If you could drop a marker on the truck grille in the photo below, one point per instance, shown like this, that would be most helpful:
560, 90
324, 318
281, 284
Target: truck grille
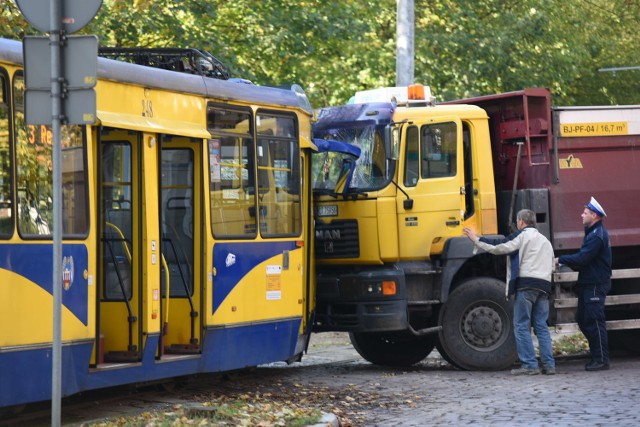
337, 239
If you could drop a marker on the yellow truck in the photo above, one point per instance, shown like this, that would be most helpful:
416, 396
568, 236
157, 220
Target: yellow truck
393, 268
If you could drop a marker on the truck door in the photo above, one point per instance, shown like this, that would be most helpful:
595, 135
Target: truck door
432, 174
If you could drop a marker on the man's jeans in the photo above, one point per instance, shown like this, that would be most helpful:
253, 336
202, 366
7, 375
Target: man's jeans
532, 308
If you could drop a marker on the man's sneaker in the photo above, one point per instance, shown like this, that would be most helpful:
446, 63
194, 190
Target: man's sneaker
525, 371
548, 371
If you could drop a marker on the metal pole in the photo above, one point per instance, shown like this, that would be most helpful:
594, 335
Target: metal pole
405, 43
55, 38
515, 186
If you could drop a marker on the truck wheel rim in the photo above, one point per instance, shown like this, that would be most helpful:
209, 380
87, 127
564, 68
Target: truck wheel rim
482, 326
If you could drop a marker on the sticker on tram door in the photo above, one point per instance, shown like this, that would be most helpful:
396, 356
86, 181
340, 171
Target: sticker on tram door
230, 260
67, 272
274, 282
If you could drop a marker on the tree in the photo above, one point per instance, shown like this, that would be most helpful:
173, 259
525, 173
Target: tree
473, 48
463, 47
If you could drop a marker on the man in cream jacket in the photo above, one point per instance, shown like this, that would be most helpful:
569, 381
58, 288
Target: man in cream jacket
532, 289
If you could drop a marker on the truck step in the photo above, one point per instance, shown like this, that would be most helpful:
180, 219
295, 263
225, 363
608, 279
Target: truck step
611, 300
564, 328
572, 276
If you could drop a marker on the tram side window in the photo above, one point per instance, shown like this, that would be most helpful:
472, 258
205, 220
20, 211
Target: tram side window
6, 207
232, 177
35, 179
278, 176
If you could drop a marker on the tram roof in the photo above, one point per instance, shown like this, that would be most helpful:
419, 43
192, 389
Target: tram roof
124, 72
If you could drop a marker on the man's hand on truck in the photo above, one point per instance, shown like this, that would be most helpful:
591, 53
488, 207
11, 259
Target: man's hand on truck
470, 234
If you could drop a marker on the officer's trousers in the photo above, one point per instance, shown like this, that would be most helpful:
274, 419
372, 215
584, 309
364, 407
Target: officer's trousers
591, 319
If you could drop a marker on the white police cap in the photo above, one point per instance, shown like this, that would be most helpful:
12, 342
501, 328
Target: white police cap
596, 207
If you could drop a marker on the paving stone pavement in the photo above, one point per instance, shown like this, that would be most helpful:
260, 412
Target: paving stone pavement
573, 397
434, 394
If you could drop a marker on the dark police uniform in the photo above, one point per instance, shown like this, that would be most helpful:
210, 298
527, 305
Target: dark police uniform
594, 282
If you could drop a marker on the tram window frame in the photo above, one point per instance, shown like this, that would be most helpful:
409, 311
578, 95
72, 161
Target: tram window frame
233, 214
122, 256
270, 144
33, 204
6, 161
177, 255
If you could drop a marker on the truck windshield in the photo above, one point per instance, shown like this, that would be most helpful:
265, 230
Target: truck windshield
370, 168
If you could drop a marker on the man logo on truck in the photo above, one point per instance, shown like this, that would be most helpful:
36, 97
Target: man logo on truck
328, 234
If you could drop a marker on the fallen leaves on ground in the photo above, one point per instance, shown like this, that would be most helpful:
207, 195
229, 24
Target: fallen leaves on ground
268, 405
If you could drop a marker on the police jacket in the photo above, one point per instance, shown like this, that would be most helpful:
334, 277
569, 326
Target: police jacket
594, 259
535, 255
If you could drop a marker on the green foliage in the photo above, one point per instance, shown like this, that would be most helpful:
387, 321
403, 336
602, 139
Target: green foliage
462, 47
569, 345
12, 24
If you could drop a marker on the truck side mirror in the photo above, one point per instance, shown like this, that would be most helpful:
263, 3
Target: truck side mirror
391, 142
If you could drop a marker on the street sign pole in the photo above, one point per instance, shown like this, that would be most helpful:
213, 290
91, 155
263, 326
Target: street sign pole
405, 62
55, 38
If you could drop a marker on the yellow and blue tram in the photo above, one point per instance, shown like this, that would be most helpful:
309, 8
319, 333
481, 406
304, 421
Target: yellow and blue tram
186, 231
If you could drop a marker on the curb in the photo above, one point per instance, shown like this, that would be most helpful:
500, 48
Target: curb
327, 420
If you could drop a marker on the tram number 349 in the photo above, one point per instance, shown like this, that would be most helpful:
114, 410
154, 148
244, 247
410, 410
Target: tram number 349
147, 108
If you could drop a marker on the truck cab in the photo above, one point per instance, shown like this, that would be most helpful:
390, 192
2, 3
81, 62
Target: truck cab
382, 244
393, 267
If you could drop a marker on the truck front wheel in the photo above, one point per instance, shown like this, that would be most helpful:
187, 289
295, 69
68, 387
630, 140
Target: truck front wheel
477, 332
392, 348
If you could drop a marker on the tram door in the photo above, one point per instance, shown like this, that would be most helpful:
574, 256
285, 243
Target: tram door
120, 231
181, 233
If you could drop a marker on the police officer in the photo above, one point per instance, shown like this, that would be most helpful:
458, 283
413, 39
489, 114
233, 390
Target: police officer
593, 262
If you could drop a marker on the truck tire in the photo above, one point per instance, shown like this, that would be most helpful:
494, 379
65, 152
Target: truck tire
444, 354
392, 348
477, 327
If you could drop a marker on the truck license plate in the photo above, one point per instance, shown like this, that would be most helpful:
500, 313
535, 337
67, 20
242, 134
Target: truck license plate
328, 210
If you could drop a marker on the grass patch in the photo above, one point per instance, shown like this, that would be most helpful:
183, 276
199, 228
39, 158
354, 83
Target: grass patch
569, 345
